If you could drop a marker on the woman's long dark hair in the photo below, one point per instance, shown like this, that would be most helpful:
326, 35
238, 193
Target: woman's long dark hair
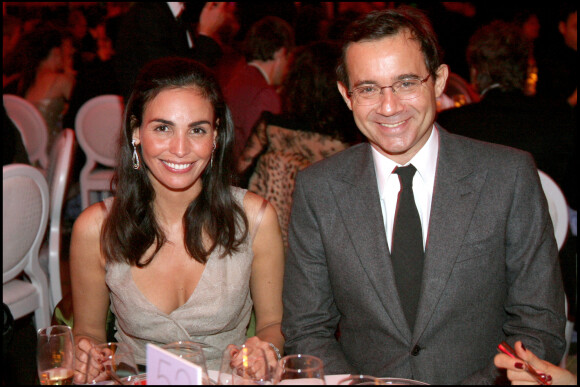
131, 226
309, 93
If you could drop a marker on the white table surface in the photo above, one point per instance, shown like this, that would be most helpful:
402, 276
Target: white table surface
330, 379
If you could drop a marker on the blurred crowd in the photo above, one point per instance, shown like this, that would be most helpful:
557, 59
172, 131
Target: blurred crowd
59, 57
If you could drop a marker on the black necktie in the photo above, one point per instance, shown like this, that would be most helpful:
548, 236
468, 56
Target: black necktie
407, 246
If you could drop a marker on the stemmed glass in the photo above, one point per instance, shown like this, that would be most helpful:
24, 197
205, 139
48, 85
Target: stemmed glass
55, 355
111, 362
300, 369
242, 365
361, 379
192, 352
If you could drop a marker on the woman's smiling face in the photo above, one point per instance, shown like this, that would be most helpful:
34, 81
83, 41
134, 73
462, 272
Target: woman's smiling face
177, 136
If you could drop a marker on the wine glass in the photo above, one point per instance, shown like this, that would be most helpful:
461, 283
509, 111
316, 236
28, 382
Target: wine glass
55, 355
361, 379
111, 363
243, 365
192, 352
300, 369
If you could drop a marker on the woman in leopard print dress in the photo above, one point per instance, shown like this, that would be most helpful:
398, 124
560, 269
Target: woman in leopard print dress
315, 124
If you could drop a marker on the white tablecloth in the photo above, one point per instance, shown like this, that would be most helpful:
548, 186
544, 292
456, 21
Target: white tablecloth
330, 379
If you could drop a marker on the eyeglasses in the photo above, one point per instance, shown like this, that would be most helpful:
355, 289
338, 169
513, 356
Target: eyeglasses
370, 94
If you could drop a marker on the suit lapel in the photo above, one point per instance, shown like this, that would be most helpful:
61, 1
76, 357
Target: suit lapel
359, 204
457, 188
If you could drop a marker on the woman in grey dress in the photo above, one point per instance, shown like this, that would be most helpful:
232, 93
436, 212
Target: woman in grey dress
177, 253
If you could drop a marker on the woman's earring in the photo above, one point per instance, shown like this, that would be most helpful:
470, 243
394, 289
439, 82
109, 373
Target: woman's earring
136, 164
212, 151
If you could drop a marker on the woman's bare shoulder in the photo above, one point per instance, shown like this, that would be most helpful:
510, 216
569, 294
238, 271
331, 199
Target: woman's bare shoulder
90, 221
252, 204
85, 246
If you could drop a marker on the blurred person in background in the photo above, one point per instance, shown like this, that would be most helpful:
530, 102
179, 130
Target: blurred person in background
558, 60
94, 65
314, 124
48, 77
252, 88
498, 56
155, 30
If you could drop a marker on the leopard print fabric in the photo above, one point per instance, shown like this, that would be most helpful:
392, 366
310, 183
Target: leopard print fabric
282, 153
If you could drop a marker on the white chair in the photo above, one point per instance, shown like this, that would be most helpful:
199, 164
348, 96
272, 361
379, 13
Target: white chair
559, 214
58, 176
97, 126
557, 207
25, 207
31, 125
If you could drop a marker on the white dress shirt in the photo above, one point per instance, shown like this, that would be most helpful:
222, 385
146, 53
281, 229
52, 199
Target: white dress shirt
176, 7
425, 161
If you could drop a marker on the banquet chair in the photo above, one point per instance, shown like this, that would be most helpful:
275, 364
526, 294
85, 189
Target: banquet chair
97, 127
559, 214
25, 208
31, 124
557, 207
58, 176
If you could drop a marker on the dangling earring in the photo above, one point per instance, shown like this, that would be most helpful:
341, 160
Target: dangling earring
136, 164
212, 151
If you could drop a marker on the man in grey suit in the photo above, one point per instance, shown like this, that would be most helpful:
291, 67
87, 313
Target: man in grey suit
488, 255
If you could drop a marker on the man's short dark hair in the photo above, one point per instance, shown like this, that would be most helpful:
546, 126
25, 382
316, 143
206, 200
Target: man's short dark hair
267, 36
499, 52
377, 25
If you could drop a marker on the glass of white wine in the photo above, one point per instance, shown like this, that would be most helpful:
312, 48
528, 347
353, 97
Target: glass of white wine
192, 352
300, 369
111, 363
55, 355
361, 380
242, 365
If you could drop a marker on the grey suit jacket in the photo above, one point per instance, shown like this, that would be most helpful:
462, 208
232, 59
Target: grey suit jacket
491, 268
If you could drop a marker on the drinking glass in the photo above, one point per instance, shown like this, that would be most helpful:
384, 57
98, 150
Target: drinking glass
300, 369
192, 352
361, 379
401, 381
242, 365
111, 363
55, 355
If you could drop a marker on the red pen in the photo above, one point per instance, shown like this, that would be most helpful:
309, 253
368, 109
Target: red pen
508, 350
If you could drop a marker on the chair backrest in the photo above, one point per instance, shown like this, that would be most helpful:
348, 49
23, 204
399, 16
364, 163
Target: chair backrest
98, 125
32, 126
25, 205
456, 87
557, 207
58, 176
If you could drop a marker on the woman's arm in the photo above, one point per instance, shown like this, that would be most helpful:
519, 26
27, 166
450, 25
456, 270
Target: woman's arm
267, 277
89, 291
